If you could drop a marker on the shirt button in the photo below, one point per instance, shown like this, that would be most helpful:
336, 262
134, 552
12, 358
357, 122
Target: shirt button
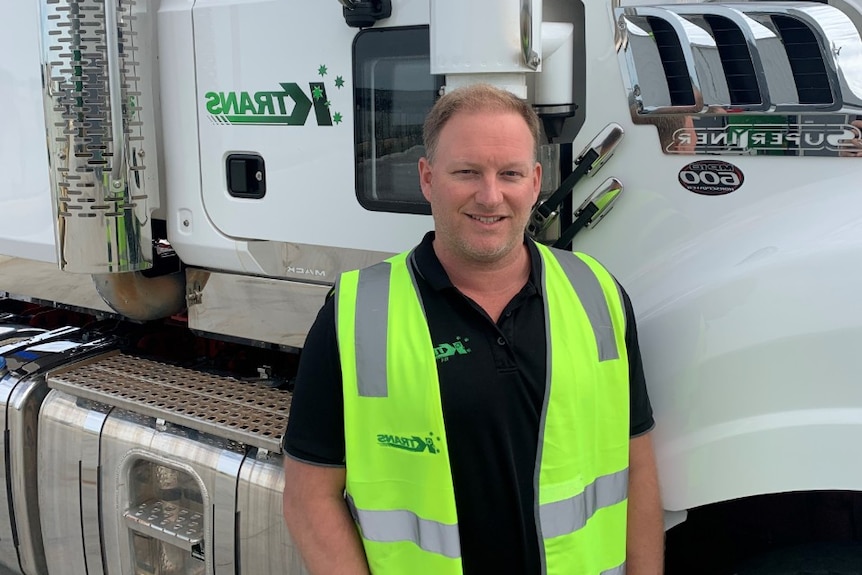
501, 340
509, 313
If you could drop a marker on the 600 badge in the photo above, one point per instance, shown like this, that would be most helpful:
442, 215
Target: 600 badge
711, 177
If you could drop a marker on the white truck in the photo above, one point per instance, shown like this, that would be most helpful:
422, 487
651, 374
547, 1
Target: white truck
181, 181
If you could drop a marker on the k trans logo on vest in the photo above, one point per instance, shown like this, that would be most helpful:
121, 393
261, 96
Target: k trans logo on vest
413, 444
444, 351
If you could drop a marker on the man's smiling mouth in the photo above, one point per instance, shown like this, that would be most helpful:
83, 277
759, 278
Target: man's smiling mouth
488, 219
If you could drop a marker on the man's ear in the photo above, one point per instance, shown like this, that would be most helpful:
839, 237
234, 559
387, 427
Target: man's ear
537, 181
425, 174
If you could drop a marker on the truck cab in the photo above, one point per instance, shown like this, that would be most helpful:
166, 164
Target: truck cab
209, 168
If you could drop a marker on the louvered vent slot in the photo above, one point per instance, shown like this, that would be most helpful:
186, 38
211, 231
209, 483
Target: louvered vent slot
736, 60
672, 60
806, 61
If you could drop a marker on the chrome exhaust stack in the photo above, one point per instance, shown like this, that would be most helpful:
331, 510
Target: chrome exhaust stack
100, 86
103, 167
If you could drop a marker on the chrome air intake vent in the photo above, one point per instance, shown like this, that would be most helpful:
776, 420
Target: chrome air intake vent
768, 57
742, 84
676, 72
806, 62
99, 80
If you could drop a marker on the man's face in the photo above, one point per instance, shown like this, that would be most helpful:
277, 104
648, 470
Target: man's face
482, 184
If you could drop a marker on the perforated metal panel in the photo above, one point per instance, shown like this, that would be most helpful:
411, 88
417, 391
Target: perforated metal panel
98, 91
247, 412
167, 522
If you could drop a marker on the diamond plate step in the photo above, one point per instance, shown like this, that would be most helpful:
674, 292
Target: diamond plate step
167, 522
246, 412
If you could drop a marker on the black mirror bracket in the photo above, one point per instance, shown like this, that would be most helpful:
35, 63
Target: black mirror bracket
364, 13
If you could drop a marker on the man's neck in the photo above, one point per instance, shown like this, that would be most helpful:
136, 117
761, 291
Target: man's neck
490, 284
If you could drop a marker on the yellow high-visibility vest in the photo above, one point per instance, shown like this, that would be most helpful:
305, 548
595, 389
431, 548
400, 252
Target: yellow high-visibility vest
399, 480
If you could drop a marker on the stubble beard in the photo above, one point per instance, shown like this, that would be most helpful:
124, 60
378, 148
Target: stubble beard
468, 251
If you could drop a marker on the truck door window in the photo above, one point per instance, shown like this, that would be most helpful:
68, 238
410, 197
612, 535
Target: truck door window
394, 89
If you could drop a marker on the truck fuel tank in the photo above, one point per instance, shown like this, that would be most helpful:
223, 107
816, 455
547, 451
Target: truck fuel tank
179, 471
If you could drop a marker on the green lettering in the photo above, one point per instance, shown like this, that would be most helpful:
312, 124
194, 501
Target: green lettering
245, 104
301, 105
279, 97
228, 103
213, 103
264, 102
321, 111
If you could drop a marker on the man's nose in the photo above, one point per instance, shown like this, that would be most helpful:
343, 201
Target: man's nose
489, 192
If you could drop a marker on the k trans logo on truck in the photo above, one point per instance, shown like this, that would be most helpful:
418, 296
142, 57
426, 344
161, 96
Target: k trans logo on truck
289, 105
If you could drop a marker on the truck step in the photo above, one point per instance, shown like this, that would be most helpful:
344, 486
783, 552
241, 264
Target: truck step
246, 412
167, 522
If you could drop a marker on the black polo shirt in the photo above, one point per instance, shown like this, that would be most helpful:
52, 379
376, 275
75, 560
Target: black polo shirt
492, 379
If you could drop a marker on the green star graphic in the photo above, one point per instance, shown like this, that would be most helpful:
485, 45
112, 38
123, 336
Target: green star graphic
317, 93
337, 118
327, 103
339, 82
322, 70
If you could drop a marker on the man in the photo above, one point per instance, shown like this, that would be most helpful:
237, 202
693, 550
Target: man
470, 399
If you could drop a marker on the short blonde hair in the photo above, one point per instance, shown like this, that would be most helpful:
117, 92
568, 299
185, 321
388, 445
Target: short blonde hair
475, 98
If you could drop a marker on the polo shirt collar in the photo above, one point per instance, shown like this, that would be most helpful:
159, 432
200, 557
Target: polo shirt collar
427, 265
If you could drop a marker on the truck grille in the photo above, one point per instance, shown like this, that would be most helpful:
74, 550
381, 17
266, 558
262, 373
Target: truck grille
793, 57
247, 412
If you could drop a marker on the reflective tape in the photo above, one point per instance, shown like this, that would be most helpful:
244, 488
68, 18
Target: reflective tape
621, 570
569, 515
592, 297
413, 268
402, 525
372, 320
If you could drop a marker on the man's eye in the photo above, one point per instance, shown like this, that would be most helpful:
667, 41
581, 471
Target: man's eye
512, 174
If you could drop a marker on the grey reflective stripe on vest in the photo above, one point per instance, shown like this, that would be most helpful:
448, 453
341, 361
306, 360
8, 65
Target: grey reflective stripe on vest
402, 525
569, 515
372, 320
621, 570
592, 297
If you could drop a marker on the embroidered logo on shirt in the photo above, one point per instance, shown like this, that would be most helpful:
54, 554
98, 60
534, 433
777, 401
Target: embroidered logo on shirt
444, 351
414, 444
